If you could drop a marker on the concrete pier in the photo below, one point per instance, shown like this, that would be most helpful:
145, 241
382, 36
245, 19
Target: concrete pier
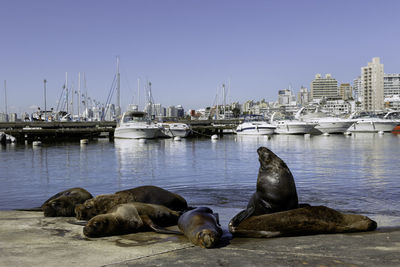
29, 239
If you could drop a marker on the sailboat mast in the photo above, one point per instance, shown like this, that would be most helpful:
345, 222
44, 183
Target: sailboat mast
45, 106
5, 96
118, 90
138, 92
66, 89
79, 95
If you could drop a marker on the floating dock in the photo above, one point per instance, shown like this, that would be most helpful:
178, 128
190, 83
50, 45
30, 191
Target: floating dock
63, 131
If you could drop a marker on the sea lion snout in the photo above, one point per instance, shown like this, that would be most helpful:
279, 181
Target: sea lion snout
207, 238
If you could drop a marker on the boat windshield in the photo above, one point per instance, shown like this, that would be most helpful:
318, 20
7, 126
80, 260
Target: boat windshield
135, 117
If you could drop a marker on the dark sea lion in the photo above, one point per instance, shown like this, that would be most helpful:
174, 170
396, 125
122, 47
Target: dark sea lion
63, 203
146, 194
130, 218
156, 195
201, 226
276, 189
303, 221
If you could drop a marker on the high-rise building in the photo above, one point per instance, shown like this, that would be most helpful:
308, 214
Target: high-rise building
324, 87
391, 85
357, 88
286, 97
345, 91
303, 97
372, 85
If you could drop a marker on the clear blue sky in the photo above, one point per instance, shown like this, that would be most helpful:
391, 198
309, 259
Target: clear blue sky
187, 48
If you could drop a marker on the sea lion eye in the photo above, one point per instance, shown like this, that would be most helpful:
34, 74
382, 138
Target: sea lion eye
88, 206
55, 204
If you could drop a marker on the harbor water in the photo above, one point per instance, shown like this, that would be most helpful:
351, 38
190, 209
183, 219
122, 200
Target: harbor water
354, 174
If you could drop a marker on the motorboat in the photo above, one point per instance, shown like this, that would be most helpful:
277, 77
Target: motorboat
328, 124
136, 125
174, 129
255, 128
292, 126
373, 124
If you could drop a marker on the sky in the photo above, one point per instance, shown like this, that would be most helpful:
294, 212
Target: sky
188, 48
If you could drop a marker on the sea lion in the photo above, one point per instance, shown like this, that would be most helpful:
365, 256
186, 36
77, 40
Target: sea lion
132, 217
100, 204
63, 203
276, 189
303, 221
146, 194
156, 195
201, 226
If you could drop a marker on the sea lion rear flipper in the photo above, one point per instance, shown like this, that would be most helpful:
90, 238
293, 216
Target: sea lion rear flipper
32, 209
241, 216
147, 221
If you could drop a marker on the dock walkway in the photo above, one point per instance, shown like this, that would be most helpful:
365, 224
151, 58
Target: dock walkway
29, 239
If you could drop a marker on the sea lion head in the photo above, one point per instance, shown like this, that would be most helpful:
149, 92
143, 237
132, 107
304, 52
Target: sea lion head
265, 156
61, 206
87, 210
207, 238
100, 225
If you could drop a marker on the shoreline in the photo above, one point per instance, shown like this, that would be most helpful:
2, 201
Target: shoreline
29, 239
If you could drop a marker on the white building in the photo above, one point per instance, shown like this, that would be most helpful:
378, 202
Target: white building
324, 87
391, 85
372, 85
393, 102
286, 98
346, 91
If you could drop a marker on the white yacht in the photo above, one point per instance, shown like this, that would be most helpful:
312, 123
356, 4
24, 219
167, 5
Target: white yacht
295, 126
255, 128
136, 125
328, 124
174, 129
373, 124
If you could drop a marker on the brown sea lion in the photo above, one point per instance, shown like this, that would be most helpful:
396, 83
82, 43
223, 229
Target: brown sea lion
130, 218
303, 221
146, 194
276, 189
63, 203
156, 195
201, 226
100, 204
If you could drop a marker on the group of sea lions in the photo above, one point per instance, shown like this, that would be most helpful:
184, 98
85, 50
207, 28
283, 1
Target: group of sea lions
273, 210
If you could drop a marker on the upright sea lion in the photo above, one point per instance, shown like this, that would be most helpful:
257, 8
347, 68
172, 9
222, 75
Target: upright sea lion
63, 203
303, 221
146, 194
132, 217
201, 226
276, 189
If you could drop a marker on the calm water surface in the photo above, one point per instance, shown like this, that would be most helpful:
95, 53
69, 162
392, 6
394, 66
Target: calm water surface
357, 174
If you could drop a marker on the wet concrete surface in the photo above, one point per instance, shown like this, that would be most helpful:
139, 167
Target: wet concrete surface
29, 239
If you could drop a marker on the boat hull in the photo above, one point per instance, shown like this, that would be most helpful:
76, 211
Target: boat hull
136, 133
333, 127
294, 128
372, 126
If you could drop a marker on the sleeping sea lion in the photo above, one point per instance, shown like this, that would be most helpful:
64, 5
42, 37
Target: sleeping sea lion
156, 195
201, 226
303, 221
146, 194
130, 218
276, 189
63, 203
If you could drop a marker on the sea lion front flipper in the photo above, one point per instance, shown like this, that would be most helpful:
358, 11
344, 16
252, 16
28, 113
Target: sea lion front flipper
241, 216
147, 221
